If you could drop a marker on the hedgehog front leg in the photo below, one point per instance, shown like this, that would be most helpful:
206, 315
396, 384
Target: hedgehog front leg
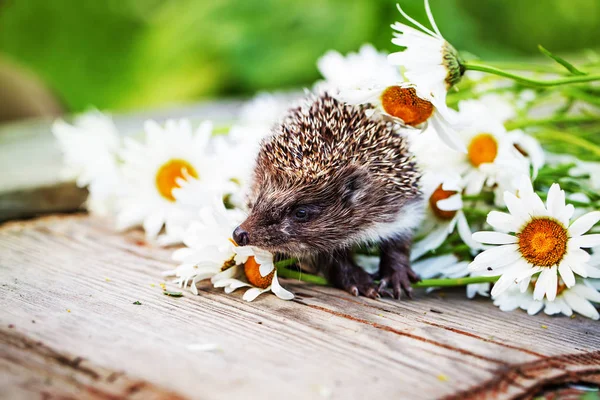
394, 267
341, 271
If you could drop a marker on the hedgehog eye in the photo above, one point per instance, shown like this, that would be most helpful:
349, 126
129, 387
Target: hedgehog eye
301, 214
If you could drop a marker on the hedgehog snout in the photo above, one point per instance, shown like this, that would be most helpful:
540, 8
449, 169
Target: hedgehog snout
241, 236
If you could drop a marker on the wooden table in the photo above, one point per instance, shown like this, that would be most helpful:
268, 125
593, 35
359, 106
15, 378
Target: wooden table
69, 328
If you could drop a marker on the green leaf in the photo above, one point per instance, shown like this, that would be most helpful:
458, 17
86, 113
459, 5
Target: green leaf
137, 303
570, 67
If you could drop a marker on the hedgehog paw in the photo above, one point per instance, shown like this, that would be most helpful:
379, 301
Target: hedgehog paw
353, 279
399, 278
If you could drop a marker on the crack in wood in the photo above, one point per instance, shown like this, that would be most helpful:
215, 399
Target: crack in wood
401, 333
532, 377
469, 334
448, 328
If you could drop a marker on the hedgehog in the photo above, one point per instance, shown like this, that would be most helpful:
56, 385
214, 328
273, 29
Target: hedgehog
330, 178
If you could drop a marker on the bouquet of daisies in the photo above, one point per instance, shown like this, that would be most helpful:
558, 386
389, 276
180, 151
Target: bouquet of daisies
510, 164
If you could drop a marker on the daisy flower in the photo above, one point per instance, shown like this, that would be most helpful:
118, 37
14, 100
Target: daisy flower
265, 110
367, 77
542, 241
429, 61
492, 160
579, 298
90, 149
208, 247
443, 213
152, 170
357, 78
255, 269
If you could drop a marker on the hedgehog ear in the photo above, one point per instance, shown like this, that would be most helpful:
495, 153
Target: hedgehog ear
354, 188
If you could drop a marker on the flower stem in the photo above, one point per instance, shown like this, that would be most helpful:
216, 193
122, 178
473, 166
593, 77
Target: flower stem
565, 137
530, 81
561, 119
449, 282
301, 276
445, 282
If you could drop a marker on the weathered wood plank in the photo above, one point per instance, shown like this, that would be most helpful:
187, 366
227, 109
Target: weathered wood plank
78, 280
30, 369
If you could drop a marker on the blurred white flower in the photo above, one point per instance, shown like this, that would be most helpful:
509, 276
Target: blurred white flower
90, 149
430, 62
152, 169
265, 110
357, 78
443, 213
542, 242
579, 298
492, 160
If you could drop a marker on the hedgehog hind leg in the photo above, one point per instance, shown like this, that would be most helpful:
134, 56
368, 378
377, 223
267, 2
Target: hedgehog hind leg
342, 272
394, 268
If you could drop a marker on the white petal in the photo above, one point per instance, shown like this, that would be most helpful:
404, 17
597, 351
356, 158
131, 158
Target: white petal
546, 284
552, 308
566, 274
524, 284
581, 305
579, 268
447, 133
265, 269
516, 207
535, 307
540, 285
496, 257
280, 291
584, 223
505, 281
502, 221
526, 271
430, 242
465, 232
587, 293
577, 255
452, 203
555, 201
494, 238
586, 241
592, 272
552, 284
253, 293
564, 307
566, 214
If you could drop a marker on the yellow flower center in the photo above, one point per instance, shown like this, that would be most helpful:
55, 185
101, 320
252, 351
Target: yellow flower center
168, 173
228, 264
437, 195
252, 271
482, 149
404, 103
543, 242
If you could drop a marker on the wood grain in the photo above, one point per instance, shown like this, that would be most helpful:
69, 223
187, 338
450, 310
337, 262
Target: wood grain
78, 280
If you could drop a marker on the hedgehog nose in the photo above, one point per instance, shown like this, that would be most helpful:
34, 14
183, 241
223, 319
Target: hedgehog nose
240, 236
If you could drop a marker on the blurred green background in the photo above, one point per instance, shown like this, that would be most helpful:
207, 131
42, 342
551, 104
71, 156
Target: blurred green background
132, 54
